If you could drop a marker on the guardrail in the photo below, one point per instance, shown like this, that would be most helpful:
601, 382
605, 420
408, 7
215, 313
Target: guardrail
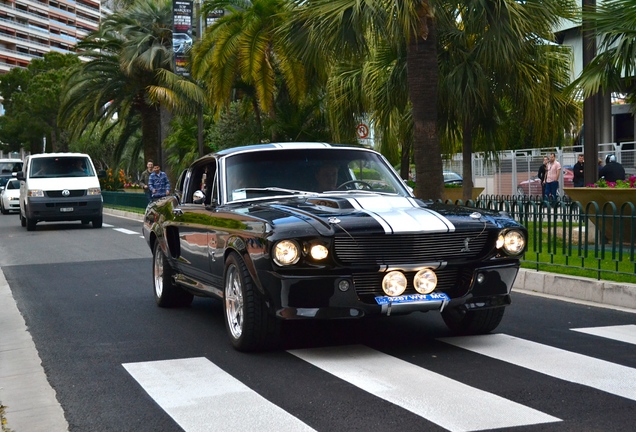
599, 240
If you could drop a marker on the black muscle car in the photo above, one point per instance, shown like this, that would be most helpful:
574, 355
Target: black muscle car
318, 231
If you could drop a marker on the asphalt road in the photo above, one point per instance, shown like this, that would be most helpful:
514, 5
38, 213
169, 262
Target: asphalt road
119, 363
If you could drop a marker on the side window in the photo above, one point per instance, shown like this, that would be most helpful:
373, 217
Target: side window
202, 178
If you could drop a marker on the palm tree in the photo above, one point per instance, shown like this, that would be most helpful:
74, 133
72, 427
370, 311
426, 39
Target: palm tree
614, 68
349, 29
246, 52
128, 78
495, 56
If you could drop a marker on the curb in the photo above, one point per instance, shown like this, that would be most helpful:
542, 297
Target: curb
600, 292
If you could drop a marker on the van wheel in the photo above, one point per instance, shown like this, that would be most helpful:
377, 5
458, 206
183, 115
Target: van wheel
85, 221
30, 224
22, 220
97, 222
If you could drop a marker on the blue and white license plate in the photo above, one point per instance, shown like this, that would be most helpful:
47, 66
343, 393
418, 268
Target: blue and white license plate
412, 298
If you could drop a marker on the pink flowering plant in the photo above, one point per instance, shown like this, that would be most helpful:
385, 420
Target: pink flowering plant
630, 183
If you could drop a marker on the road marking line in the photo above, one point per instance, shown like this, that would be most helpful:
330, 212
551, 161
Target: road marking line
200, 396
105, 225
622, 333
125, 231
577, 368
440, 400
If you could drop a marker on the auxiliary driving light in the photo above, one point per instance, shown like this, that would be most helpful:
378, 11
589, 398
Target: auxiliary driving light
394, 283
425, 281
319, 252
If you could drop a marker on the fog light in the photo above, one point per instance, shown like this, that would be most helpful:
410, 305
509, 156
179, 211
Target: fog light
425, 281
394, 283
344, 285
481, 278
319, 252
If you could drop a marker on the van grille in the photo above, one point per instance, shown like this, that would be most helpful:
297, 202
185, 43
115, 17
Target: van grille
58, 193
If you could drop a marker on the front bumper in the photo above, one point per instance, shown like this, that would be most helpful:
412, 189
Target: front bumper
319, 297
64, 209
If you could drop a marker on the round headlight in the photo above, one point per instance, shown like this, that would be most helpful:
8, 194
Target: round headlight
286, 253
514, 242
319, 252
394, 283
425, 281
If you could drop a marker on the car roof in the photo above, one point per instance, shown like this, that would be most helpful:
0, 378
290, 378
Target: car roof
10, 160
49, 155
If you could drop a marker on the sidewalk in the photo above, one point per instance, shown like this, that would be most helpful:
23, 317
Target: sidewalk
29, 404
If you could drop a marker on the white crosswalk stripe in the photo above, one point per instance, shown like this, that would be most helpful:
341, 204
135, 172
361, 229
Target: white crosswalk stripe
105, 225
577, 368
622, 333
200, 396
422, 392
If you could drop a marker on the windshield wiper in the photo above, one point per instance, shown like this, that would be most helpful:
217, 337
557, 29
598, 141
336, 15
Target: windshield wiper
275, 189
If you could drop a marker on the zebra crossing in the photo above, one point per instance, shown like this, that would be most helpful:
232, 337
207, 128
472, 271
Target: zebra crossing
196, 393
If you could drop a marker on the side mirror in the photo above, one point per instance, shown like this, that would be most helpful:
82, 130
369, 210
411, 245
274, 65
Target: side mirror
20, 175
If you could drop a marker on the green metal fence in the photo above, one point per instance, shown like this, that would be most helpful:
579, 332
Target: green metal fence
598, 240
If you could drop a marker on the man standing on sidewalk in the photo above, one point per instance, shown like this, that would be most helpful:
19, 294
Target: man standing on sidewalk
145, 176
158, 183
553, 171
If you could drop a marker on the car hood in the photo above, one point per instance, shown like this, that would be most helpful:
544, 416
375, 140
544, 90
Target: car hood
368, 214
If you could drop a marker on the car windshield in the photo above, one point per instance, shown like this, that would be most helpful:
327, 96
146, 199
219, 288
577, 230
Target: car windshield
13, 184
308, 171
10, 167
64, 166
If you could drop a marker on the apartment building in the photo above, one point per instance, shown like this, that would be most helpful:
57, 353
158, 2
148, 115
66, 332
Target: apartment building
31, 28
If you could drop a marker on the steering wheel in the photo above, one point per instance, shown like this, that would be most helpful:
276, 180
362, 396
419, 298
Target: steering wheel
364, 184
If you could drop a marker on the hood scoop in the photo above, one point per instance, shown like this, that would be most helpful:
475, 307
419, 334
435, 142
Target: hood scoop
330, 203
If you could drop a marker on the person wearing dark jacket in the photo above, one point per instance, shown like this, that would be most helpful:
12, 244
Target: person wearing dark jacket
612, 170
578, 179
541, 174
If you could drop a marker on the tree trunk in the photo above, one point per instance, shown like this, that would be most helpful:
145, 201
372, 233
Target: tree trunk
151, 133
422, 71
467, 166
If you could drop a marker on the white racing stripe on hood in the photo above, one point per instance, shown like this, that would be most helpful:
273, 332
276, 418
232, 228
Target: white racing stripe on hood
402, 215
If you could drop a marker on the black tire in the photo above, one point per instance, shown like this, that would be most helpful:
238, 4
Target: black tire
22, 219
473, 322
2, 209
30, 223
167, 293
247, 321
85, 221
98, 221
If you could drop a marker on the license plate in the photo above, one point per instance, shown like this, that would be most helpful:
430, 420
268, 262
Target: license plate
412, 298
66, 209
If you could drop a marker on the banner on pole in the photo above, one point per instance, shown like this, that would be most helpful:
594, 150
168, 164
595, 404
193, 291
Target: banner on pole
181, 34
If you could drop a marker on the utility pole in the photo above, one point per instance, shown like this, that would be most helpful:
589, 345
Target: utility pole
199, 30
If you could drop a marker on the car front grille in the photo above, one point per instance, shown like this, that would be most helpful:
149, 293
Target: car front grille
410, 248
73, 193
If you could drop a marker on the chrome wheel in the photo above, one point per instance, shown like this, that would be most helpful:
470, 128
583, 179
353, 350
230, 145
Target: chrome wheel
158, 273
234, 309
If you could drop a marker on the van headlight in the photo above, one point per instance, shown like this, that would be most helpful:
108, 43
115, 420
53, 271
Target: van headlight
35, 193
513, 242
94, 191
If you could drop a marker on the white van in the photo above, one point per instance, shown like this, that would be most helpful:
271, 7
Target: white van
59, 187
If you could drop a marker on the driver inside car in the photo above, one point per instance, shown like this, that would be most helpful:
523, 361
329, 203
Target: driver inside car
327, 177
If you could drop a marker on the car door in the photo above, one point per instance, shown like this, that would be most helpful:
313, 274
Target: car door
193, 221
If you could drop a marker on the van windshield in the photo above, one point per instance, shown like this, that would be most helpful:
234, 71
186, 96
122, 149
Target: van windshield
72, 166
